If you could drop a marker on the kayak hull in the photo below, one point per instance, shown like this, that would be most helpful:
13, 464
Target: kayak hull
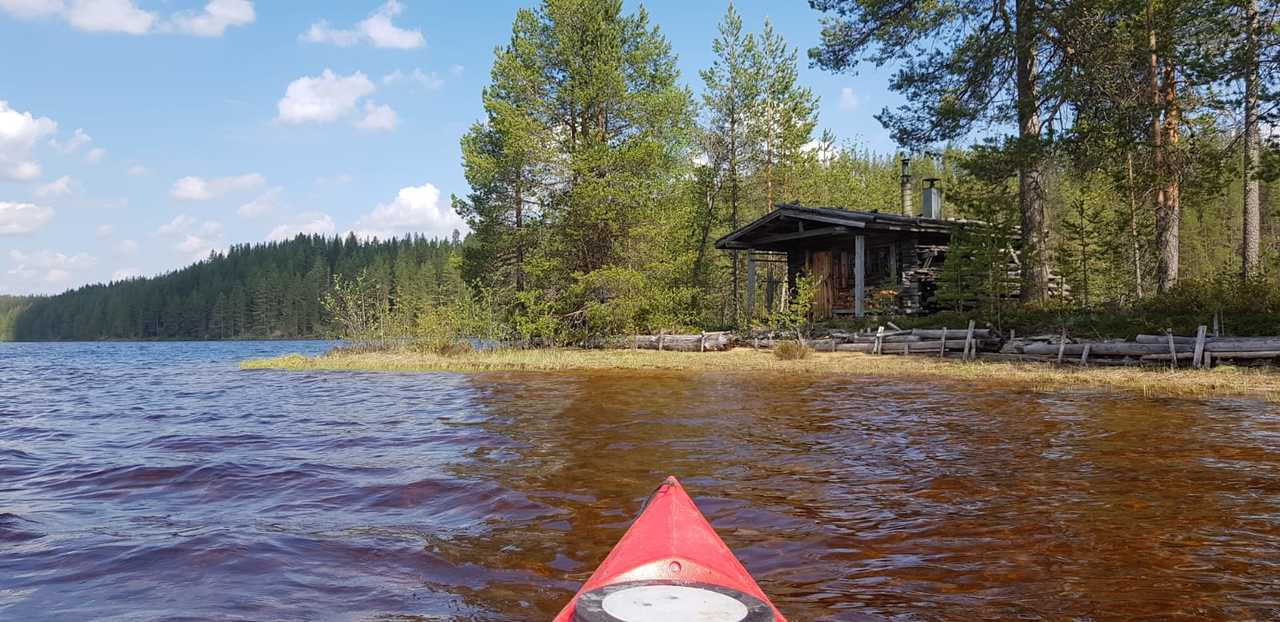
671, 542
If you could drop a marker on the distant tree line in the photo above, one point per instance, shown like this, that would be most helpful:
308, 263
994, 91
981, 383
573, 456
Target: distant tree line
264, 290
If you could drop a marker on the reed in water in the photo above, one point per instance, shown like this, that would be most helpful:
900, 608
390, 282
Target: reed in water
1163, 383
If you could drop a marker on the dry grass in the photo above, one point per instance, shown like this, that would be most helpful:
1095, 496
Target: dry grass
1224, 381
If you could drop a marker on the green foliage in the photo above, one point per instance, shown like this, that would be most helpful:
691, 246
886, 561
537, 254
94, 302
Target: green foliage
10, 308
979, 271
795, 317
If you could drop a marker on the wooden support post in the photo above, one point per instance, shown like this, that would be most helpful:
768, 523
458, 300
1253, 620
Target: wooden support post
702, 342
859, 276
876, 349
660, 341
906, 347
942, 352
1198, 358
1084, 356
970, 352
1062, 345
1215, 324
751, 288
1173, 350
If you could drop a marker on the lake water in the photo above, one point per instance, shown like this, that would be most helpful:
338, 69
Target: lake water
156, 481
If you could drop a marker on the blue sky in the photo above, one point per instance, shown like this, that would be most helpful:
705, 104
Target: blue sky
136, 135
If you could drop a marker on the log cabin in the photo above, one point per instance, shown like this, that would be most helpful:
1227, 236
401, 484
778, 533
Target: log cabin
861, 258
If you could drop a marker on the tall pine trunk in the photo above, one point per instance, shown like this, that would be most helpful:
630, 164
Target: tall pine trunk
1133, 227
1169, 217
1035, 247
1252, 149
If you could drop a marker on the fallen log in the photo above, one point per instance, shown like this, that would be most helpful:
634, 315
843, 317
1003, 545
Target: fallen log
1232, 344
706, 342
1258, 354
1164, 339
916, 347
930, 333
1102, 349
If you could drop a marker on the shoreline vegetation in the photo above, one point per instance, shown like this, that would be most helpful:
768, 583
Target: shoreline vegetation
1225, 381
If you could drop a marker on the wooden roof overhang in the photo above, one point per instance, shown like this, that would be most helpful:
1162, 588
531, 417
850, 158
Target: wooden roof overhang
790, 226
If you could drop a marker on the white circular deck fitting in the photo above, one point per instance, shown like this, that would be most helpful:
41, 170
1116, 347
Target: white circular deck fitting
673, 603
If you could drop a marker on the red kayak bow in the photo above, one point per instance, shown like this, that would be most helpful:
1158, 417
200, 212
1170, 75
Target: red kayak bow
670, 566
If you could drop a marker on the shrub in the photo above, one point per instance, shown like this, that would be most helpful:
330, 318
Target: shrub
455, 348
791, 351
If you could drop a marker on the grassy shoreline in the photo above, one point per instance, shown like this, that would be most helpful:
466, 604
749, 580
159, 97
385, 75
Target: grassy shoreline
1223, 381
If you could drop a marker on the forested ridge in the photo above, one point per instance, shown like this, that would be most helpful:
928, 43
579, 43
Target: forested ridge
263, 290
1116, 145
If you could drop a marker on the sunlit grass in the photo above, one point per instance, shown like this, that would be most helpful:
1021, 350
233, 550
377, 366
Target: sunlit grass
1146, 381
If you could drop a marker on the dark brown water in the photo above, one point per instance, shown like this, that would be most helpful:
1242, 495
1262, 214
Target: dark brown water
157, 482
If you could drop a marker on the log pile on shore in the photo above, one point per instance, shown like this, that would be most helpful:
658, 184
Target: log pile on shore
971, 343
1200, 351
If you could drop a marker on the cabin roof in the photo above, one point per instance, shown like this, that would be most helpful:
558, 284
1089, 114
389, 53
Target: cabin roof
794, 224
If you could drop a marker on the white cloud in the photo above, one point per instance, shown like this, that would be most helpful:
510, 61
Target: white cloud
124, 274
456, 70
109, 16
48, 267
848, 100
59, 187
322, 32
95, 155
416, 209
104, 231
377, 117
19, 132
78, 139
216, 17
138, 170
201, 189
431, 80
194, 238
124, 16
324, 98
31, 9
378, 30
22, 218
125, 247
308, 223
261, 204
825, 150
180, 223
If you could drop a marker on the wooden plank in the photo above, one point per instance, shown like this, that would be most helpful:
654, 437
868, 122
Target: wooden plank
859, 276
942, 352
969, 350
1062, 347
1199, 353
1173, 352
801, 235
1084, 355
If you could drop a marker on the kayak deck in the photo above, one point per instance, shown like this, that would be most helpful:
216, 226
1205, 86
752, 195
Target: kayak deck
670, 566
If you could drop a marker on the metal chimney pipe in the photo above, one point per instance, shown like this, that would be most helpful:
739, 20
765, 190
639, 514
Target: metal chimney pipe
931, 206
906, 186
